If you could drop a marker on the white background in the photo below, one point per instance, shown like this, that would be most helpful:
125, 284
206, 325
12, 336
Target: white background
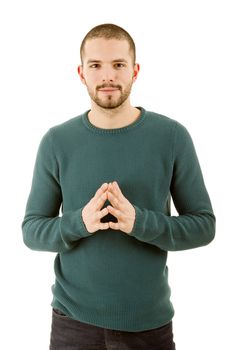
185, 52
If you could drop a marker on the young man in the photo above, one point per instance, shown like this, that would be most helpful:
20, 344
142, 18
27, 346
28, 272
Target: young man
114, 169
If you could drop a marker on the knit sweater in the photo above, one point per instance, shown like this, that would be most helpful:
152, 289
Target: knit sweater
109, 278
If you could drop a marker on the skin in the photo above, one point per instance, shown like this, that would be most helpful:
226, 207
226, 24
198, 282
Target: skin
109, 109
108, 73
121, 208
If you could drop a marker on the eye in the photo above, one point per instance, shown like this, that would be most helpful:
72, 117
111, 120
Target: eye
120, 65
95, 65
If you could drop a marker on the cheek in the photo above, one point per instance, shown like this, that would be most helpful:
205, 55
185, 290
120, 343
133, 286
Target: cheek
128, 76
90, 80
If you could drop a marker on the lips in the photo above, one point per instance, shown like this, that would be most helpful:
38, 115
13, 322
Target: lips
108, 89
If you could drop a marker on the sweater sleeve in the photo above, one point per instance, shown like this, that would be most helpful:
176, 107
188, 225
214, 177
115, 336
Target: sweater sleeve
195, 224
43, 228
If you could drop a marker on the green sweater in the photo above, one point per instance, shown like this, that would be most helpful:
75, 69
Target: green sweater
109, 278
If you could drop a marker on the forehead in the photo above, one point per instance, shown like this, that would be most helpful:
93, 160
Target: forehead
106, 49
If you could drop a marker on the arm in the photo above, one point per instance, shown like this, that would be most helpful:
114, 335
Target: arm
43, 228
195, 224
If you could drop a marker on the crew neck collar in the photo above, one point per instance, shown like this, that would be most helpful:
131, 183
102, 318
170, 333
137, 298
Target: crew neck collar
123, 129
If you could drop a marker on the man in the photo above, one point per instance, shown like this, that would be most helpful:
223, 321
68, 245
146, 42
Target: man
114, 169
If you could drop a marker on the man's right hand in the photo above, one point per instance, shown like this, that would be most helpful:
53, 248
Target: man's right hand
92, 213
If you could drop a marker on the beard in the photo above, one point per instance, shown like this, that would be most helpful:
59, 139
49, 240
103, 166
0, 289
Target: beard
110, 101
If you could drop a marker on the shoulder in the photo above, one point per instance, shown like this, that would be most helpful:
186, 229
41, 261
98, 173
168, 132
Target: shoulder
67, 131
168, 129
163, 124
63, 134
67, 126
165, 121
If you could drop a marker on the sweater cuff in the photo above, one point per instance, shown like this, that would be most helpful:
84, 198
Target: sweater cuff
72, 226
137, 228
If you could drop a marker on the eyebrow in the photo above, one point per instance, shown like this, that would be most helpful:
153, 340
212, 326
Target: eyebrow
98, 61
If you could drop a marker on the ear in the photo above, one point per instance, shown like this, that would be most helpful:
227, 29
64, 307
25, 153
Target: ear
80, 73
136, 71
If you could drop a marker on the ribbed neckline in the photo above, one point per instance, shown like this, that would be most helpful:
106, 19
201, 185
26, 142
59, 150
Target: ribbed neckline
123, 129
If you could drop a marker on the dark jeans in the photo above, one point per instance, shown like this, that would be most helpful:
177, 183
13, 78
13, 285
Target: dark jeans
69, 334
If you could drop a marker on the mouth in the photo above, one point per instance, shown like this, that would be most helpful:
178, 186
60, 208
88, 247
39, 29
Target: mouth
108, 89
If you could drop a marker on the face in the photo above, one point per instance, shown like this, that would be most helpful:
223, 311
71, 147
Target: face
108, 71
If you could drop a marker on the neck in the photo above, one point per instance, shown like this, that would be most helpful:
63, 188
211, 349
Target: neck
113, 118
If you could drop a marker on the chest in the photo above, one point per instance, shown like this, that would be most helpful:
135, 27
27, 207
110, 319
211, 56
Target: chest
142, 169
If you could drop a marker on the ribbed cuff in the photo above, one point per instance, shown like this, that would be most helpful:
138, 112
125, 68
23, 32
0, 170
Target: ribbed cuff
72, 226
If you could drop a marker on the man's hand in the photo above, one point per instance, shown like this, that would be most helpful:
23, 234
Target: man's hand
121, 208
92, 213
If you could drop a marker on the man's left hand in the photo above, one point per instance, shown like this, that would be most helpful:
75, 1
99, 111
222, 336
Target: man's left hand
121, 208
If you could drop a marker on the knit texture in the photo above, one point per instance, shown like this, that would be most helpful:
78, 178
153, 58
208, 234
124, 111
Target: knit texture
109, 278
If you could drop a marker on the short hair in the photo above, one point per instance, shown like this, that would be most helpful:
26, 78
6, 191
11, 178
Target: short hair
109, 31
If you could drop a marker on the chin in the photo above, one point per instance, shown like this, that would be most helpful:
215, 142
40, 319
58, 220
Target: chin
108, 105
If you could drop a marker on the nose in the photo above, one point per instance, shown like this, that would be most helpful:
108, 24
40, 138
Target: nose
107, 74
